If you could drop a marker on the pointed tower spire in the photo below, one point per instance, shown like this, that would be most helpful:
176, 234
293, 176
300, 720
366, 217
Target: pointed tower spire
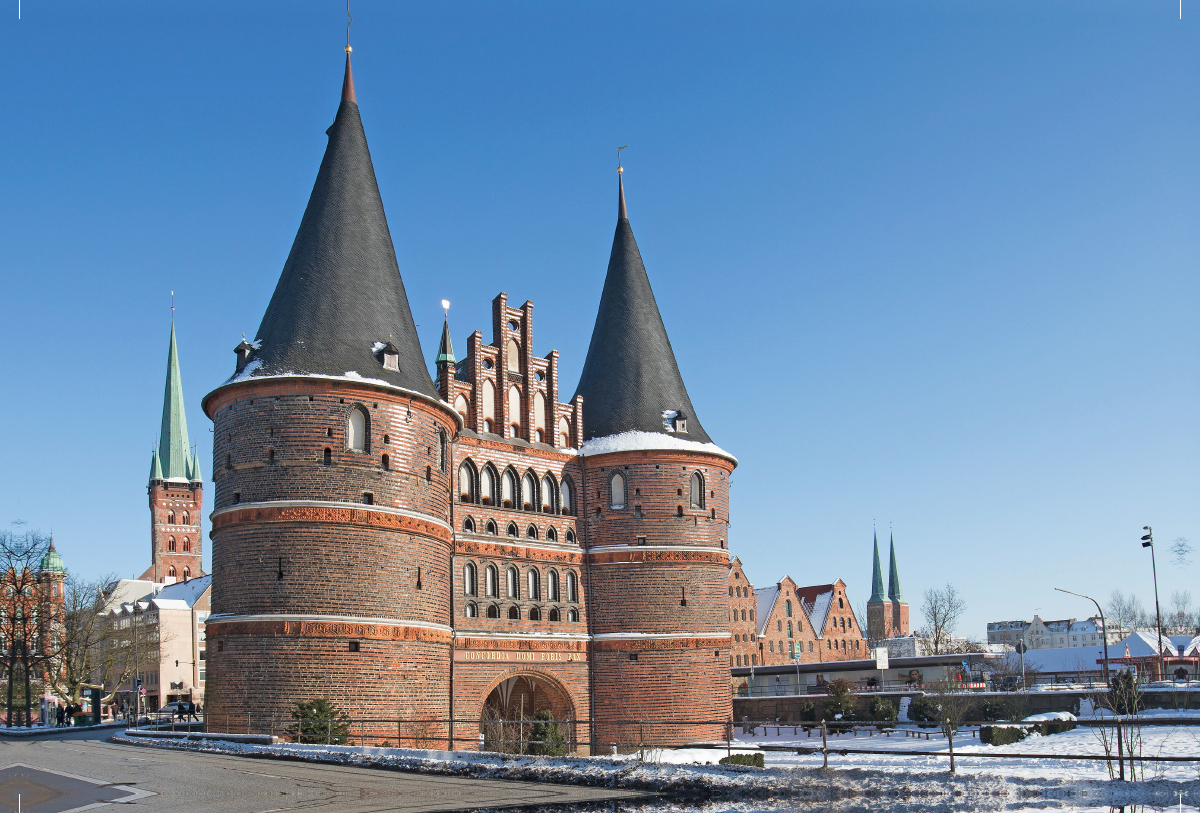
877, 576
446, 348
340, 295
195, 473
173, 455
894, 592
155, 466
630, 379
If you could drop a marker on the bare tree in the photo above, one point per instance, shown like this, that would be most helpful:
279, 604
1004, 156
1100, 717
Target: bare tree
941, 610
1125, 613
87, 650
1181, 615
27, 638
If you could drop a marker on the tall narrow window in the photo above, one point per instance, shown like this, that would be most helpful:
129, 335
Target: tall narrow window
514, 356
462, 407
528, 492
788, 607
553, 584
514, 583
170, 517
171, 544
564, 433
187, 518
171, 572
565, 497
356, 430
187, 545
488, 482
539, 412
535, 585
508, 490
572, 587
514, 410
617, 491
490, 580
489, 406
441, 459
547, 495
187, 573
696, 489
466, 483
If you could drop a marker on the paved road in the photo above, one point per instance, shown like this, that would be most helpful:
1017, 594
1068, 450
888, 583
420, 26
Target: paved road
209, 783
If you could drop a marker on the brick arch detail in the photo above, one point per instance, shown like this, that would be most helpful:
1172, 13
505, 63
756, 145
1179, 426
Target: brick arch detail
567, 708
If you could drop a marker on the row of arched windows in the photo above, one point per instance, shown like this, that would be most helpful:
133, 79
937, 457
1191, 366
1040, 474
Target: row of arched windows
514, 613
734, 615
558, 587
171, 545
511, 530
618, 488
508, 489
187, 518
187, 573
559, 435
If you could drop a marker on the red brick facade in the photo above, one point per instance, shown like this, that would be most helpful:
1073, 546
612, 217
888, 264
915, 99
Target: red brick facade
445, 567
175, 537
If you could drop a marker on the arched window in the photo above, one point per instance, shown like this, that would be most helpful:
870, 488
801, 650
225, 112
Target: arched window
488, 485
187, 544
731, 591
466, 482
469, 525
508, 490
491, 528
514, 614
551, 534
566, 494
553, 615
493, 611
788, 607
513, 585
472, 610
552, 581
489, 581
564, 433
696, 489
171, 571
462, 407
572, 587
514, 410
841, 606
528, 492
539, 413
170, 517
535, 614
547, 495
616, 490
512, 530
171, 544
572, 615
441, 453
386, 463
187, 573
570, 536
489, 406
356, 430
531, 532
535, 585
514, 356
469, 586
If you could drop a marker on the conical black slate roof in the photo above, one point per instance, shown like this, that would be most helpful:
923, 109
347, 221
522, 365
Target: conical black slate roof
630, 377
340, 291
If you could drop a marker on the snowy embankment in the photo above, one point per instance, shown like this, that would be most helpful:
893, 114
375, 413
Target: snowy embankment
684, 774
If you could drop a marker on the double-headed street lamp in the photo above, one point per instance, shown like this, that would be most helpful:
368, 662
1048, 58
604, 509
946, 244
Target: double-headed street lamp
1103, 628
1148, 542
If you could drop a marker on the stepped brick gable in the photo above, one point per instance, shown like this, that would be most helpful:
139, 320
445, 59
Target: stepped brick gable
463, 548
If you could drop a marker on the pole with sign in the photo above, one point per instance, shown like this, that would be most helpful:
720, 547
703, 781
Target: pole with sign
881, 663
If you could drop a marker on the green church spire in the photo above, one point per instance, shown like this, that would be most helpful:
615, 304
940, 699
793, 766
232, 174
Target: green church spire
155, 466
894, 592
194, 472
876, 576
446, 349
173, 437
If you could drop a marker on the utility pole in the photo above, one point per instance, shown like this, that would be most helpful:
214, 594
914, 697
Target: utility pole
1103, 627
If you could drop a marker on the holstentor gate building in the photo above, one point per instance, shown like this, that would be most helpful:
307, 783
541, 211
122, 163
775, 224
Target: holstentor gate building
412, 549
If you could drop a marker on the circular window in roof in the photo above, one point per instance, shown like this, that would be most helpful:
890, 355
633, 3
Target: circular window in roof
541, 376
487, 364
513, 324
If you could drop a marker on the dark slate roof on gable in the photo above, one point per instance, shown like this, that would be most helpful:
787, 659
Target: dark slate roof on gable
340, 291
630, 376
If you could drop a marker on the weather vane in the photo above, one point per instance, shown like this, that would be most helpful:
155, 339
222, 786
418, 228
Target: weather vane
446, 307
348, 24
620, 169
172, 304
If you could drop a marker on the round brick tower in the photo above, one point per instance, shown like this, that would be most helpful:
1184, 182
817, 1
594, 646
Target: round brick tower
655, 511
330, 529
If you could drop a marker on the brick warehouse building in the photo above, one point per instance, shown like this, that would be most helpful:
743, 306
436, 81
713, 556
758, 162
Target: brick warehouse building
470, 548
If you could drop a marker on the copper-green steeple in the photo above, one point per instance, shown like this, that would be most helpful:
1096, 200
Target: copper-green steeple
173, 452
155, 466
876, 576
894, 592
446, 349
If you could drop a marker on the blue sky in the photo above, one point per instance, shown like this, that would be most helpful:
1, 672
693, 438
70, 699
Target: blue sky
930, 264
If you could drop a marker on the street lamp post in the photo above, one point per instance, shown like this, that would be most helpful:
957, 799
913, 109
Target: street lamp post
1148, 542
1103, 628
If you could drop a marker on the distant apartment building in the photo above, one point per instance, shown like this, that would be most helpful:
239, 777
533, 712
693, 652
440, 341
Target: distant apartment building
1057, 634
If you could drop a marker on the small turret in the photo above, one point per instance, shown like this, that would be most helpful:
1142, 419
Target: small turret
155, 466
52, 562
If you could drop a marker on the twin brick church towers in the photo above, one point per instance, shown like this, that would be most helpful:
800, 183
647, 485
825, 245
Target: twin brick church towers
459, 550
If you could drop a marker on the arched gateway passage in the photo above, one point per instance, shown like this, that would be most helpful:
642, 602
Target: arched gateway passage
528, 713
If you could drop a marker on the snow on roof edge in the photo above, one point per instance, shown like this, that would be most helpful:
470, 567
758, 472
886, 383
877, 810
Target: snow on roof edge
636, 440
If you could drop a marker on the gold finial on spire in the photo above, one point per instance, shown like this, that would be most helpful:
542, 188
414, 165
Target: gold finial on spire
172, 304
446, 307
620, 169
348, 24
